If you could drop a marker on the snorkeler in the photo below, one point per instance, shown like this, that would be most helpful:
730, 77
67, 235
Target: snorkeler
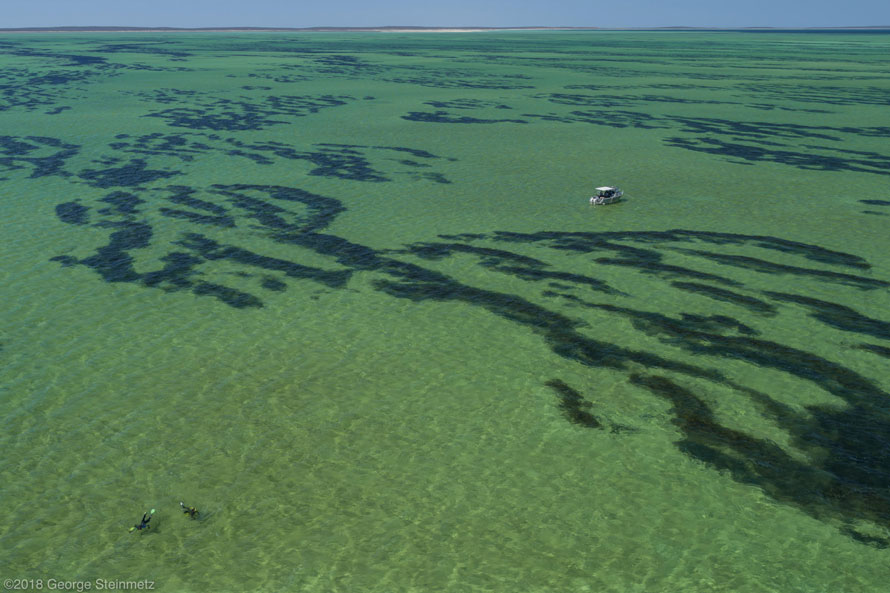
190, 511
143, 524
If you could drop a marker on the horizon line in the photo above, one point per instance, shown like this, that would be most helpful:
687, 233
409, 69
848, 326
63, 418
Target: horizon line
407, 28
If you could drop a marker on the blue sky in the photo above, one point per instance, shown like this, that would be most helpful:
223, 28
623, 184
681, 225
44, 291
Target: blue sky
446, 13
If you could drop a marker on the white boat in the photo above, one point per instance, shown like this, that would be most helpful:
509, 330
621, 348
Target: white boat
606, 195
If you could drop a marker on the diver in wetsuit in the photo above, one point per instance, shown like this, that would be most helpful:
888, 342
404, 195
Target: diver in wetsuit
143, 524
190, 511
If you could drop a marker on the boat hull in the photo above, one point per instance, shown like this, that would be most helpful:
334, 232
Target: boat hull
599, 201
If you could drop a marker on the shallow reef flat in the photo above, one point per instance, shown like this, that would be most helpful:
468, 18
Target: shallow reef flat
345, 293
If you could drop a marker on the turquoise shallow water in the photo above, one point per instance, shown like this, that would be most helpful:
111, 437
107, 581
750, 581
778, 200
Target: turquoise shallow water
346, 295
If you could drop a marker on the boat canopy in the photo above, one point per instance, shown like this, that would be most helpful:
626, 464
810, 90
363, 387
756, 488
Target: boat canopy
606, 188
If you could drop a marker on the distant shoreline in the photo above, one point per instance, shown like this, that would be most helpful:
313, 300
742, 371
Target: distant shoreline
400, 29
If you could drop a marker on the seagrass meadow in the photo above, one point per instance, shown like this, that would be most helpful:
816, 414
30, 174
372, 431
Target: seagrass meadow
345, 294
